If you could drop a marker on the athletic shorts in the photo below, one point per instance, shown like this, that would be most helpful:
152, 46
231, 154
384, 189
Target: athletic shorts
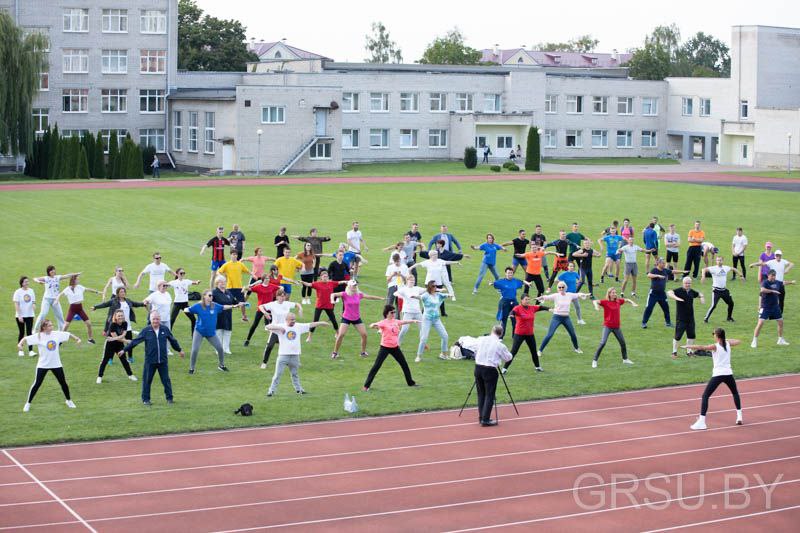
216, 264
237, 294
654, 253
631, 269
561, 263
77, 309
765, 313
287, 288
352, 322
682, 327
517, 261
614, 257
672, 257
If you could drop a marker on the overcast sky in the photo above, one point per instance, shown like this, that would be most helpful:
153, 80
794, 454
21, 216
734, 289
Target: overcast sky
337, 29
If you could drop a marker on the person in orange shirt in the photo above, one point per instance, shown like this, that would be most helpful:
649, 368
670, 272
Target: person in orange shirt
533, 270
695, 251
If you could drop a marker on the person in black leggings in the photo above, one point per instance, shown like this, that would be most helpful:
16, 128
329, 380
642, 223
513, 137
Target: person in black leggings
49, 344
180, 286
584, 257
24, 311
523, 331
389, 329
722, 373
116, 338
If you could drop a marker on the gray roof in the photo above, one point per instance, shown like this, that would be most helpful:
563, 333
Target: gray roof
416, 67
203, 94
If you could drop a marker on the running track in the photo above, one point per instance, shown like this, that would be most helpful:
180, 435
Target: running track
438, 472
700, 178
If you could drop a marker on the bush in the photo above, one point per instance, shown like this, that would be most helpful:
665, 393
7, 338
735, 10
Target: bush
148, 153
470, 157
533, 151
512, 167
495, 168
82, 170
507, 164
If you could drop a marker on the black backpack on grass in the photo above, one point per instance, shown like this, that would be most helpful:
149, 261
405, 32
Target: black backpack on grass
245, 409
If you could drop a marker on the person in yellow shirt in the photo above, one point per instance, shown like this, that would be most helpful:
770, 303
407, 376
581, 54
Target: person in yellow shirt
288, 266
695, 251
233, 271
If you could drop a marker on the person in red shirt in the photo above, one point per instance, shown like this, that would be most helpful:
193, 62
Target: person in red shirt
324, 288
611, 323
265, 290
524, 314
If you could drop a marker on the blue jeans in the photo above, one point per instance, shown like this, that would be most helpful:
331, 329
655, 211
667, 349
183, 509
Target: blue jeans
556, 321
482, 273
504, 308
425, 330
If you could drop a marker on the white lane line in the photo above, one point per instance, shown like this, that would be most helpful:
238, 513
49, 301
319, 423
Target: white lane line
377, 433
728, 519
50, 492
30, 526
657, 390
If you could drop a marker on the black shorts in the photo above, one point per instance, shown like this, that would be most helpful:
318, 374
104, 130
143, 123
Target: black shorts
682, 327
352, 322
238, 294
672, 257
654, 253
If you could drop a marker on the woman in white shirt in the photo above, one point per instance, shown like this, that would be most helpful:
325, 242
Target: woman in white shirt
562, 301
24, 310
722, 373
52, 288
49, 342
180, 286
74, 293
115, 282
411, 307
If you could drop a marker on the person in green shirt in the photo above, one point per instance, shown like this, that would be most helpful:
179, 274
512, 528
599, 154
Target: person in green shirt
576, 238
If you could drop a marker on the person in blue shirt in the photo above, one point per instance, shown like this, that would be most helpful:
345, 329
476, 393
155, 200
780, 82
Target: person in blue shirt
658, 290
650, 238
508, 287
489, 249
571, 278
612, 243
155, 338
207, 312
770, 306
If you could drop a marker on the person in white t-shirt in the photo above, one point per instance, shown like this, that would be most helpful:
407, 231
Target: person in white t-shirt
437, 271
631, 266
288, 334
719, 281
52, 288
74, 294
722, 373
277, 310
356, 244
157, 271
709, 253
180, 286
397, 248
115, 282
49, 343
409, 294
24, 310
160, 301
738, 247
396, 273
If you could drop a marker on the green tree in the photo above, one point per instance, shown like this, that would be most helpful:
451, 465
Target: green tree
650, 63
450, 50
53, 153
380, 46
88, 145
533, 152
99, 166
470, 157
209, 43
665, 37
582, 44
703, 55
112, 171
83, 165
22, 59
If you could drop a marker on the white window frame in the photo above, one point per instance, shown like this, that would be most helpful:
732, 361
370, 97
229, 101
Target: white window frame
177, 131
209, 132
627, 136
273, 114
193, 127
507, 141
492, 103
152, 96
551, 104
438, 102
44, 76
551, 138
152, 58
146, 19
744, 109
480, 141
687, 106
624, 105
653, 101
383, 134
79, 133
106, 135
464, 103
378, 102
409, 102
326, 148
41, 118
350, 139
599, 138
75, 20
578, 138
574, 104
111, 58
437, 139
350, 102
75, 60
114, 98
409, 138
705, 103
153, 137
600, 105
114, 21
651, 137
82, 96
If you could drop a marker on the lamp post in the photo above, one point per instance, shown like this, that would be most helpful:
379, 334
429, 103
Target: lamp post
540, 131
259, 132
789, 153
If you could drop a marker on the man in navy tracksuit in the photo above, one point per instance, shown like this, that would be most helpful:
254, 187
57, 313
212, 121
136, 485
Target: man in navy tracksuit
155, 337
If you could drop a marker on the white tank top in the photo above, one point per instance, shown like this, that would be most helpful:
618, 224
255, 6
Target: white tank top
722, 360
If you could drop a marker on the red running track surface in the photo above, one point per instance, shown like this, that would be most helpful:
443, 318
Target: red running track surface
615, 462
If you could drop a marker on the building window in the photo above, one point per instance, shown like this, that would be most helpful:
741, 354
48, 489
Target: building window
409, 102
106, 136
320, 151
378, 138
80, 134
273, 114
209, 133
151, 100
408, 138
437, 138
152, 137
153, 62
464, 102
624, 105
505, 141
491, 103
599, 138
687, 105
115, 21
44, 78
349, 139
75, 100
600, 105
41, 119
480, 141
551, 103
705, 107
115, 61
379, 102
550, 138
153, 21
76, 20
438, 102
76, 60
744, 111
649, 106
574, 103
177, 131
649, 139
574, 139
193, 131
114, 100
624, 139
350, 102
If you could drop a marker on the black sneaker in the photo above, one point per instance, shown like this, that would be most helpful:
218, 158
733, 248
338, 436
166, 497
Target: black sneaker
191, 371
222, 368
669, 325
147, 403
91, 341
246, 343
731, 320
644, 326
301, 391
705, 321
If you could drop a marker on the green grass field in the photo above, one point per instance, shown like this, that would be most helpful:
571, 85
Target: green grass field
611, 161
92, 231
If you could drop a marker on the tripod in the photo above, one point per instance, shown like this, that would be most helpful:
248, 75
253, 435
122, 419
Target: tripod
505, 383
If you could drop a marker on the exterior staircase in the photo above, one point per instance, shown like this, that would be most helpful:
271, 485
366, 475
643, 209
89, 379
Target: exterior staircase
297, 155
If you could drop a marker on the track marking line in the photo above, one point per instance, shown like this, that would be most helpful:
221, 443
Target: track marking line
739, 517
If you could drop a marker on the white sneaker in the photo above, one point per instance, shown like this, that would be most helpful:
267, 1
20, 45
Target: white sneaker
169, 352
700, 424
26, 408
503, 370
31, 354
578, 350
453, 298
594, 364
99, 380
627, 362
474, 291
539, 353
21, 353
739, 421
132, 378
782, 342
70, 404
418, 359
582, 322
263, 366
754, 344
228, 352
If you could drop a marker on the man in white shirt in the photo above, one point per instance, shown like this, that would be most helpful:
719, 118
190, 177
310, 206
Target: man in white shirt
289, 348
278, 310
157, 270
719, 281
738, 247
490, 354
355, 240
396, 273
